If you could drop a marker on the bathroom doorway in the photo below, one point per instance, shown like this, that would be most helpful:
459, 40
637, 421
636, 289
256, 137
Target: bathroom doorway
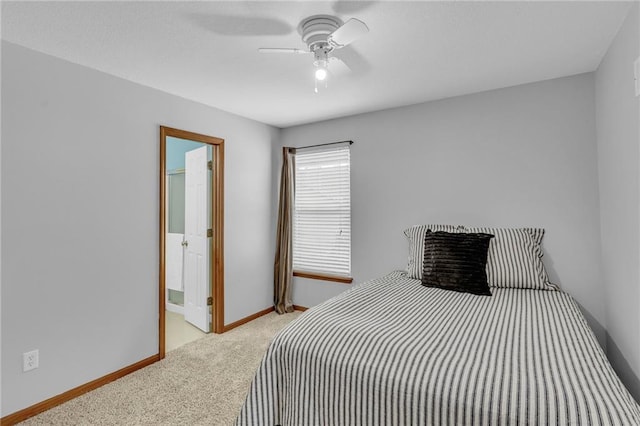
191, 237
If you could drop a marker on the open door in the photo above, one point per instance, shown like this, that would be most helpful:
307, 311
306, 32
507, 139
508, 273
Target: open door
197, 266
201, 200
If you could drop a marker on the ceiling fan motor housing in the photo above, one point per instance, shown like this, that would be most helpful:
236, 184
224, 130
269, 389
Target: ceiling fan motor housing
315, 32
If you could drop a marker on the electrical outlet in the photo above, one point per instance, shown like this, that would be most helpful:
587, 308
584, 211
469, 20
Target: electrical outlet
30, 360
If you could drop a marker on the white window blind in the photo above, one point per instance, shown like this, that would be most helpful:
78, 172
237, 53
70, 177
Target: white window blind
322, 211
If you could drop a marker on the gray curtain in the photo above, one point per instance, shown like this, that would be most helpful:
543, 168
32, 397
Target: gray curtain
283, 266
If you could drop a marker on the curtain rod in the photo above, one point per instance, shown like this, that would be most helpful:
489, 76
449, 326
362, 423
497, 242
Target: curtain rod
323, 144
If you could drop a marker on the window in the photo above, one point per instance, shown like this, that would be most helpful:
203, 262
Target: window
322, 213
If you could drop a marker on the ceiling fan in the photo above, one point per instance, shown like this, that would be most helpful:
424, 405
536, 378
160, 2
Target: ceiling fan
323, 34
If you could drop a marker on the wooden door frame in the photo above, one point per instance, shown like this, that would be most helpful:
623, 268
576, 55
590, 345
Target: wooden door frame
217, 219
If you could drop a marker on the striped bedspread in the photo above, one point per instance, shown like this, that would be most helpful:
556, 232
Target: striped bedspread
392, 352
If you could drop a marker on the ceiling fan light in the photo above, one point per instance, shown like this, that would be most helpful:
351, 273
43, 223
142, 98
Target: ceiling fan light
321, 74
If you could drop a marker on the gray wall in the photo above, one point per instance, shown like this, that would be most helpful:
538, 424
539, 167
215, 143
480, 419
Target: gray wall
618, 121
1, 412
78, 234
521, 156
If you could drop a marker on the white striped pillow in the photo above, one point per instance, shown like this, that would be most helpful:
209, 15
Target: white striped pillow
416, 235
515, 258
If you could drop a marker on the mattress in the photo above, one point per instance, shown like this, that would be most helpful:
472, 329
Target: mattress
392, 352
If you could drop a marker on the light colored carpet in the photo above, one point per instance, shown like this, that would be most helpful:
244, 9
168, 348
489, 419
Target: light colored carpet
202, 383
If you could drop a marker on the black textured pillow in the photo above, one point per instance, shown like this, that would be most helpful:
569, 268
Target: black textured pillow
456, 261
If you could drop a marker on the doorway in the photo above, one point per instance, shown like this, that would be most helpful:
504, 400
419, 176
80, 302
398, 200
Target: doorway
191, 236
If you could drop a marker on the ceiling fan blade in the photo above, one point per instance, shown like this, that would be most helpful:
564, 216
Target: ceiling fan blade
230, 25
337, 67
352, 30
281, 50
356, 61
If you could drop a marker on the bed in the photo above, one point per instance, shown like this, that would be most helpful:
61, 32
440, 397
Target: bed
394, 352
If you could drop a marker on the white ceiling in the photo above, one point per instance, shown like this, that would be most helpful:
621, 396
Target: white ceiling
414, 52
